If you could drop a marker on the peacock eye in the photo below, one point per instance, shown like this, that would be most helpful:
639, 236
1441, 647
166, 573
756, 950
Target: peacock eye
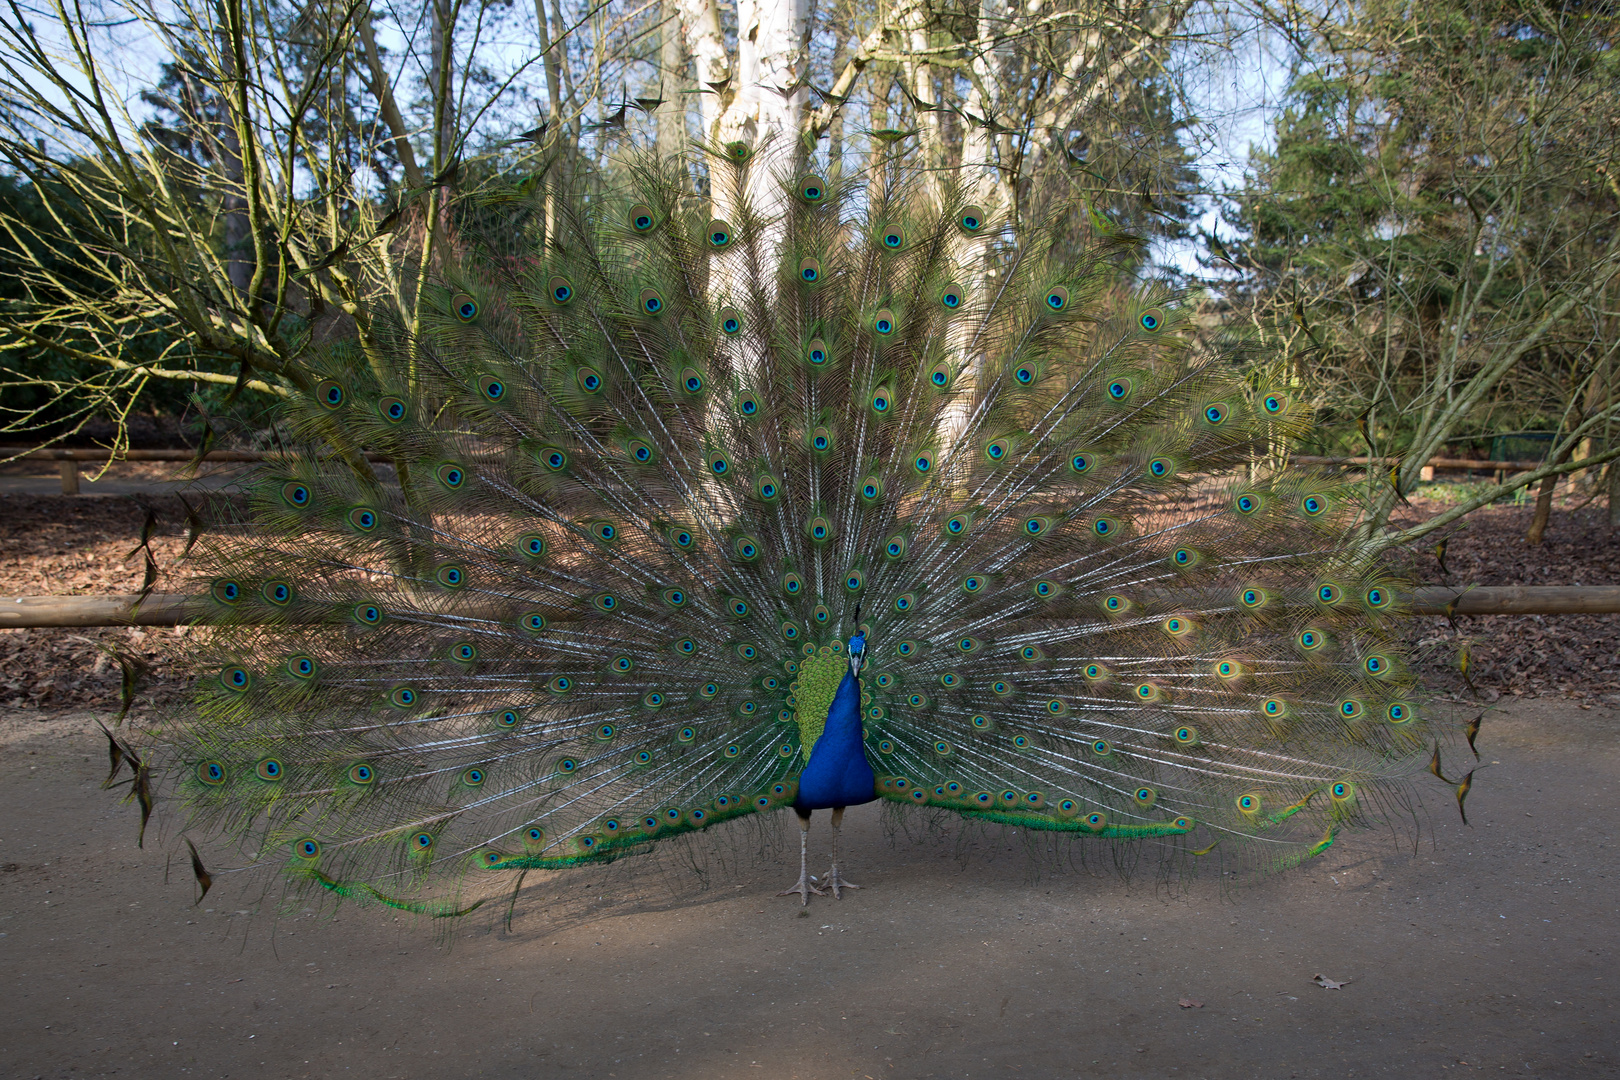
491, 387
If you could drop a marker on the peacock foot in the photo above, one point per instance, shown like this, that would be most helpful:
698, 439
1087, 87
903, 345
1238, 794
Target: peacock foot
804, 888
834, 881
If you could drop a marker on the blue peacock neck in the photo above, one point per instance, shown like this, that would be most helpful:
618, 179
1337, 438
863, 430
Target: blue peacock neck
838, 773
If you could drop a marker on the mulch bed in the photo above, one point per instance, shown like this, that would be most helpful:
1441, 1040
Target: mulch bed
84, 546
1574, 656
62, 545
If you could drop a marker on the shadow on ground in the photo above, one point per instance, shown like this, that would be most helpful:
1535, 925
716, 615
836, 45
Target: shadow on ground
1487, 950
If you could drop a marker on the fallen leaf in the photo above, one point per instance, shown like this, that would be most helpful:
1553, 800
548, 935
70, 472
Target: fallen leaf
1190, 1003
1328, 984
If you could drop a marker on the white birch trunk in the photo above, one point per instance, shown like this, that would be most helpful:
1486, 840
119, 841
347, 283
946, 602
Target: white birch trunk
711, 63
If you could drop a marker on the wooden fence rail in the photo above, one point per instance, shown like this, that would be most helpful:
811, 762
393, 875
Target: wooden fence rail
1445, 464
59, 454
169, 609
69, 460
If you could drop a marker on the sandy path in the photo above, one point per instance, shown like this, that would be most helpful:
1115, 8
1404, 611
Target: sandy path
1493, 946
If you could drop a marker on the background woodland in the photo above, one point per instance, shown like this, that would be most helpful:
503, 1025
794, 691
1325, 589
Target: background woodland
196, 198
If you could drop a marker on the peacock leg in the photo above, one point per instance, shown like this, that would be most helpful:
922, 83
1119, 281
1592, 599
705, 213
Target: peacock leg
804, 888
832, 880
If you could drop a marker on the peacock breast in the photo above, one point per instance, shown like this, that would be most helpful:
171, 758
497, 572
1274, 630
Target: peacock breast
838, 773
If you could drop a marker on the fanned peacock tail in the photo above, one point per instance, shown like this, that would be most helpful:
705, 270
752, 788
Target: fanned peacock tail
647, 470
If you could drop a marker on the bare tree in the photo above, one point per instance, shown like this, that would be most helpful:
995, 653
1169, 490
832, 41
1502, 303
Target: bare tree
292, 174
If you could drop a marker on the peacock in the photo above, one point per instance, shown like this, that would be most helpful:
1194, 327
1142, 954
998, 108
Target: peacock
718, 488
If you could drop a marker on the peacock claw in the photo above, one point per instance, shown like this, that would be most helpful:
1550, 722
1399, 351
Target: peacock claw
834, 882
804, 888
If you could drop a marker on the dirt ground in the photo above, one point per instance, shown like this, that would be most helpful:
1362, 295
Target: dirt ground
1487, 949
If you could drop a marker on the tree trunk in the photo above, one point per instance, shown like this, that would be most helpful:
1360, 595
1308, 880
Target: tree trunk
233, 204
383, 91
835, 129
700, 21
1612, 472
1544, 498
442, 83
882, 86
671, 116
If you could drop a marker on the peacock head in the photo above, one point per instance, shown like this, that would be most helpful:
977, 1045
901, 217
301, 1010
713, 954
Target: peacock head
857, 652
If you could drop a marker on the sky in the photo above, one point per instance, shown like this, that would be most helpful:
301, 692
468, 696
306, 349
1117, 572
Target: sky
1234, 93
